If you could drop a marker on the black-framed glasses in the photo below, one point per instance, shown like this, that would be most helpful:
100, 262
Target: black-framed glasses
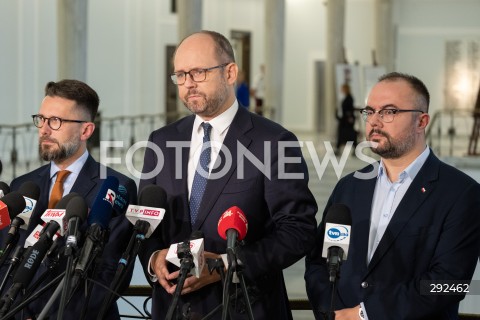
197, 75
387, 115
53, 122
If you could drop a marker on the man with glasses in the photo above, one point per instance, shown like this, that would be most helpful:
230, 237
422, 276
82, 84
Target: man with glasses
65, 123
415, 230
202, 182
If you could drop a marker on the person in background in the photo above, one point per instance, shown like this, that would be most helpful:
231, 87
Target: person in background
65, 123
258, 90
415, 220
243, 92
346, 121
275, 198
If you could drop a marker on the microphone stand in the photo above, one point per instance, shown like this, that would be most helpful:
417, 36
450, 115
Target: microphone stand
70, 249
334, 260
17, 255
127, 260
186, 264
234, 266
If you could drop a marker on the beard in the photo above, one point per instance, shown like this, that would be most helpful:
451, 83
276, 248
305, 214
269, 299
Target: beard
62, 152
211, 104
393, 148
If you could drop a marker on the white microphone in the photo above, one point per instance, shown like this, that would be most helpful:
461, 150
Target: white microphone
35, 235
197, 251
149, 214
338, 224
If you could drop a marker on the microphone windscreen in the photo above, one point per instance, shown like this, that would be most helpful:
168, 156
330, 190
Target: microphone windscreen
77, 207
15, 203
121, 200
62, 203
197, 234
152, 196
233, 218
4, 188
30, 189
339, 214
102, 207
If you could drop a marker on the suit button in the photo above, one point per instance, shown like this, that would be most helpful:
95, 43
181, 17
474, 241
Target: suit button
364, 284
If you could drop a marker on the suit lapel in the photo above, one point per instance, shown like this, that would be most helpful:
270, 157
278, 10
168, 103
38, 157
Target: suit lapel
87, 179
420, 188
239, 126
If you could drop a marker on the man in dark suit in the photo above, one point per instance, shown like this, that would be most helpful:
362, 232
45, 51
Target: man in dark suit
415, 219
65, 122
272, 192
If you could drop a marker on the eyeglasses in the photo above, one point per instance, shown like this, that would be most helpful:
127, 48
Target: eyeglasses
387, 115
197, 75
53, 122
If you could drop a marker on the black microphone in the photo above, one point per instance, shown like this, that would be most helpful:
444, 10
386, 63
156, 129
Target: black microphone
4, 189
97, 232
11, 205
31, 261
338, 224
186, 265
76, 213
145, 217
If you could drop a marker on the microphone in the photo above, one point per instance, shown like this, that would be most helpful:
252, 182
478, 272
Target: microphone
4, 189
233, 227
30, 263
145, 218
98, 220
187, 263
31, 192
122, 199
10, 206
338, 224
152, 200
178, 251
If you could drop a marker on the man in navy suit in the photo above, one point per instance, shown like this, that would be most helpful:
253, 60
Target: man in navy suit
415, 220
65, 123
272, 192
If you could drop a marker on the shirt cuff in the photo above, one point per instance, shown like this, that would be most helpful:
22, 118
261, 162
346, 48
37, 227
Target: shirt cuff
151, 273
364, 310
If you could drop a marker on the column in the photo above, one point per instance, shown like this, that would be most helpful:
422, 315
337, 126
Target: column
385, 35
274, 56
72, 39
335, 44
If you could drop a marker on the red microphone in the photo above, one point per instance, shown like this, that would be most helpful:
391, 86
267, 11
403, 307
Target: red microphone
232, 226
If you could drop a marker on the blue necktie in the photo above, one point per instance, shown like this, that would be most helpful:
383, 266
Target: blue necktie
201, 174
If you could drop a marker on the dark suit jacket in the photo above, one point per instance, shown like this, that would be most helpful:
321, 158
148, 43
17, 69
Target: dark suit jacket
87, 185
433, 235
280, 211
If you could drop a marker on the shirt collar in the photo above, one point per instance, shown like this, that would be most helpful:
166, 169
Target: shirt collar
74, 168
412, 169
221, 122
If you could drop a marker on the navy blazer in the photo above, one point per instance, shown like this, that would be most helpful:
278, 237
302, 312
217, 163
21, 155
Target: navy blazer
434, 234
280, 211
87, 185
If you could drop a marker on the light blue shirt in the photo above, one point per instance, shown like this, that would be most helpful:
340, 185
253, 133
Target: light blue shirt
386, 197
74, 168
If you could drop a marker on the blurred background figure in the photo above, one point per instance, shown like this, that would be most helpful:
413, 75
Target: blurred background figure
346, 120
258, 90
243, 91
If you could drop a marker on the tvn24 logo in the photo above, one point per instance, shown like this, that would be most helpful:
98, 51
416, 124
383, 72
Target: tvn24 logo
338, 233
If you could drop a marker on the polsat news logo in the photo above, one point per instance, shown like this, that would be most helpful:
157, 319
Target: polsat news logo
110, 196
338, 233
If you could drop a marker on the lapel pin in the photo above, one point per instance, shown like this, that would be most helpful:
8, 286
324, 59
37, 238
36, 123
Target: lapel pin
423, 190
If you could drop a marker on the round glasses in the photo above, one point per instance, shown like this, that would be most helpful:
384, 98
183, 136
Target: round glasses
53, 122
197, 75
387, 115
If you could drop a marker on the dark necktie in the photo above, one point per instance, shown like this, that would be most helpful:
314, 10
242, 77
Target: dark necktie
57, 191
201, 174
